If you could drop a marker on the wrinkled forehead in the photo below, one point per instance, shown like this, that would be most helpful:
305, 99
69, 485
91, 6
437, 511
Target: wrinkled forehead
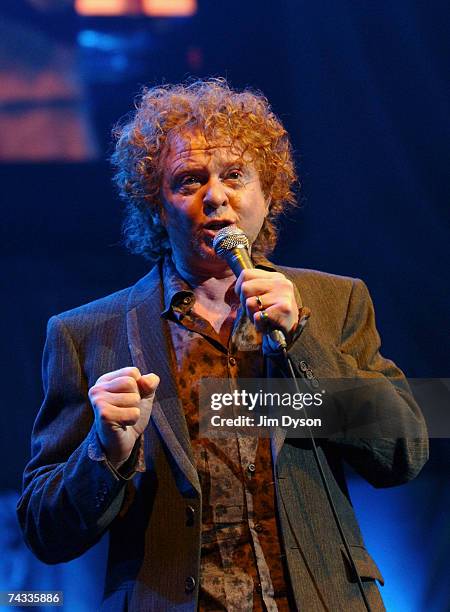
188, 144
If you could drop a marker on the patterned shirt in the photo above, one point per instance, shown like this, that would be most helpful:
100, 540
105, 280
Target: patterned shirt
242, 566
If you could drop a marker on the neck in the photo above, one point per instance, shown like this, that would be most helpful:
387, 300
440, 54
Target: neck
212, 288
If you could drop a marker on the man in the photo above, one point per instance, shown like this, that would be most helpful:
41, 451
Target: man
238, 523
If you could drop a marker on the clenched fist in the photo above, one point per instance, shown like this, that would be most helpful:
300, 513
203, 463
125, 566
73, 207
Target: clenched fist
122, 402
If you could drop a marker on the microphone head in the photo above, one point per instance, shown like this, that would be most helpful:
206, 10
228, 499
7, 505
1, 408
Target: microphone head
228, 238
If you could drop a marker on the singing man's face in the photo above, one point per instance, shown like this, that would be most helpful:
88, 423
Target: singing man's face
205, 186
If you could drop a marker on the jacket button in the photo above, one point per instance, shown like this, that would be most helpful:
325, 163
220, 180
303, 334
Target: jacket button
251, 467
303, 366
189, 584
258, 527
232, 361
190, 516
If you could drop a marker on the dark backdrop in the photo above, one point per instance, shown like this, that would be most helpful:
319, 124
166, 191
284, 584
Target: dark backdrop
363, 89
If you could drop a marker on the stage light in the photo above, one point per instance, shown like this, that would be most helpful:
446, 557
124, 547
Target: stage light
169, 8
104, 7
152, 8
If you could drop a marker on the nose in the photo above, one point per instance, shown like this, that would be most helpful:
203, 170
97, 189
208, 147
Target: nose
215, 194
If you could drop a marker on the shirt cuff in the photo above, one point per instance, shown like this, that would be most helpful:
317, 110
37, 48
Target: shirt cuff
134, 463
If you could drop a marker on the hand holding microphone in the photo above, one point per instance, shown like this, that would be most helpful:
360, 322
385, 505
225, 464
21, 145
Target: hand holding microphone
268, 297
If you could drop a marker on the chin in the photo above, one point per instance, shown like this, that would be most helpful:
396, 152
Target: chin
203, 248
209, 254
205, 252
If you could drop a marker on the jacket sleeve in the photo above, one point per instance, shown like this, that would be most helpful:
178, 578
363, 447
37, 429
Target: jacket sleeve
383, 461
70, 494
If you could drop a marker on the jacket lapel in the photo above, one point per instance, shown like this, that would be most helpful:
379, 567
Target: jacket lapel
149, 345
302, 349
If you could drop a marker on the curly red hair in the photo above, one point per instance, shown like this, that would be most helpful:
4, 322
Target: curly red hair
244, 117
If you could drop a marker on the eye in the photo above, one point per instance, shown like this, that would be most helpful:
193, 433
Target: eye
189, 179
186, 181
234, 174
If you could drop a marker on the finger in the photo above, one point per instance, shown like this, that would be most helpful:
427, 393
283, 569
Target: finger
256, 273
256, 303
148, 384
269, 281
111, 415
269, 318
257, 286
123, 384
121, 400
128, 371
244, 275
262, 321
277, 316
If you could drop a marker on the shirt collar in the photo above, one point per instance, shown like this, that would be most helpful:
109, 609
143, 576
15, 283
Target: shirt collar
178, 294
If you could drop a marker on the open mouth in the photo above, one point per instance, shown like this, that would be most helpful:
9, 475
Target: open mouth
217, 224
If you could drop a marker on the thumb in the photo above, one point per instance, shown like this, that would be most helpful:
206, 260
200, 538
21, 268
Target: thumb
147, 385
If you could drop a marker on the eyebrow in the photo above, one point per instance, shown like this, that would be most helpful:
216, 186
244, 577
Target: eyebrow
187, 166
195, 164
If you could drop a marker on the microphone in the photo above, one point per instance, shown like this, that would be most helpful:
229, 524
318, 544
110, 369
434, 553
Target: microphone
230, 243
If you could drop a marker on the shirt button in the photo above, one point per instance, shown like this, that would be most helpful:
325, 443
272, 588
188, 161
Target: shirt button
232, 361
189, 584
258, 527
251, 467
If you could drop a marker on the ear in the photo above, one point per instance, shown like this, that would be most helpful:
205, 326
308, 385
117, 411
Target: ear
158, 215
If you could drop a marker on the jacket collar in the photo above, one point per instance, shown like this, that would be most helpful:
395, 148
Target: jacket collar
149, 345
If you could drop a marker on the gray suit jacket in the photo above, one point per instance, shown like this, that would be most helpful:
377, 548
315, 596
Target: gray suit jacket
154, 518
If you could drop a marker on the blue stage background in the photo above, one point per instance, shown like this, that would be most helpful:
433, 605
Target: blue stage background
364, 90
